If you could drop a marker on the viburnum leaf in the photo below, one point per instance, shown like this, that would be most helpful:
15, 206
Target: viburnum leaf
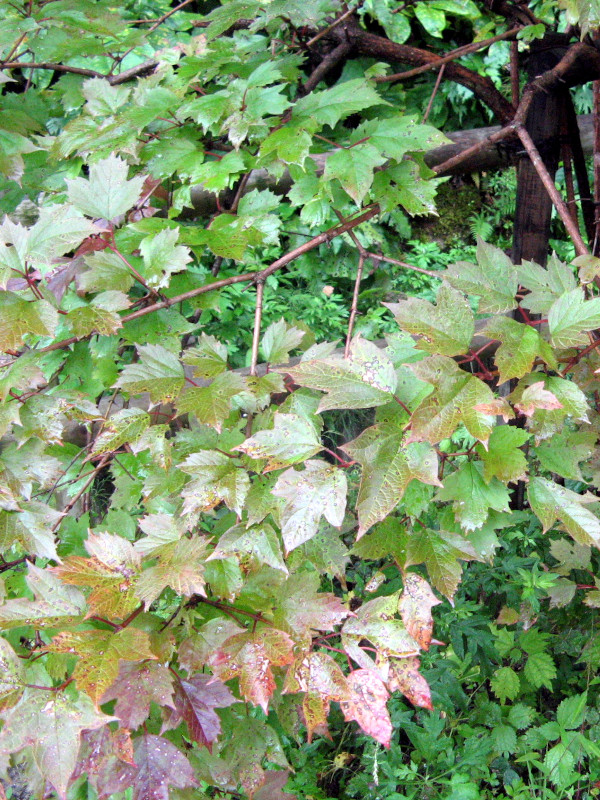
302, 608
272, 788
258, 391
279, 340
53, 604
158, 372
50, 724
320, 677
112, 572
472, 498
123, 427
318, 490
212, 404
493, 279
250, 741
30, 528
387, 540
329, 106
365, 379
158, 764
106, 270
545, 285
571, 316
504, 459
446, 328
180, 565
325, 551
135, 687
354, 169
249, 657
195, 700
440, 551
520, 345
256, 544
415, 604
99, 653
404, 676
397, 135
102, 756
375, 621
389, 465
588, 267
551, 502
107, 194
215, 479
87, 319
18, 317
208, 357
367, 705
570, 555
292, 439
196, 651
163, 257
12, 680
454, 401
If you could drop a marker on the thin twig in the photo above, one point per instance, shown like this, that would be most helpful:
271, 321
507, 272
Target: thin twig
257, 320
514, 73
438, 80
354, 307
377, 257
82, 491
452, 56
550, 186
329, 28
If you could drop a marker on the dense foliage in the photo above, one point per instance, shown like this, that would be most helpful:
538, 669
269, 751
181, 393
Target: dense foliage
224, 536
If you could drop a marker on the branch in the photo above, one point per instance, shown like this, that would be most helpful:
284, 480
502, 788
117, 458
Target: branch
260, 286
114, 80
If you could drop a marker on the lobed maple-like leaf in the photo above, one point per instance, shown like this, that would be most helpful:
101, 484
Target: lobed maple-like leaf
212, 404
440, 551
292, 439
126, 425
565, 450
455, 399
363, 380
354, 169
99, 653
520, 345
318, 490
104, 756
53, 604
107, 193
18, 317
472, 498
504, 459
302, 608
194, 702
367, 705
535, 397
30, 528
322, 680
135, 687
180, 565
12, 679
415, 604
208, 358
387, 540
551, 502
157, 765
493, 279
195, 652
279, 340
256, 544
571, 316
215, 479
545, 285
112, 572
163, 257
446, 328
158, 372
389, 464
404, 676
249, 657
50, 724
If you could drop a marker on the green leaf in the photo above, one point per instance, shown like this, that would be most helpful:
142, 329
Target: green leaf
388, 539
20, 317
353, 167
208, 357
256, 544
456, 399
12, 679
504, 459
520, 345
107, 194
571, 711
563, 452
50, 724
395, 136
432, 19
319, 490
504, 739
212, 404
389, 465
279, 340
126, 425
292, 439
31, 527
493, 279
301, 608
545, 285
163, 257
571, 316
505, 684
158, 372
446, 328
222, 17
367, 378
551, 502
215, 479
540, 670
53, 604
440, 551
472, 498
332, 105
180, 565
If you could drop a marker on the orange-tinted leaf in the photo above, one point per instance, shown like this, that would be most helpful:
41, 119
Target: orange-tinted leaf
319, 676
405, 677
136, 686
415, 606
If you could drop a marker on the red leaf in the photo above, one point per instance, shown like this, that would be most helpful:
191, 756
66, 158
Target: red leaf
271, 789
367, 705
159, 764
415, 606
195, 700
405, 677
136, 686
